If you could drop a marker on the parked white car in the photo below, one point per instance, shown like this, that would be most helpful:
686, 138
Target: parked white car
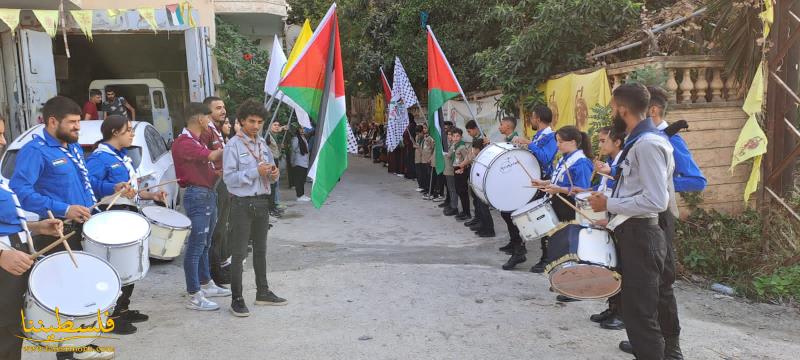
151, 157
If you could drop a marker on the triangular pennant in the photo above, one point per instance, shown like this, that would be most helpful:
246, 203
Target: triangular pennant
84, 20
49, 20
113, 13
186, 12
11, 18
174, 14
149, 15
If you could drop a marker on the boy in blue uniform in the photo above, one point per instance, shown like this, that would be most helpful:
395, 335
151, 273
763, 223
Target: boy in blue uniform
53, 176
15, 246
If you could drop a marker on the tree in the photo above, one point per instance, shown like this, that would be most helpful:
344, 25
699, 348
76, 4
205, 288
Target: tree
242, 66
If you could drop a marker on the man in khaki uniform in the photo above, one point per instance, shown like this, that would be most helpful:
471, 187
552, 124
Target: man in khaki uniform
461, 160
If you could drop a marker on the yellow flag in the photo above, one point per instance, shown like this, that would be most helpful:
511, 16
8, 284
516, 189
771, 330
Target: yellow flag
49, 20
186, 11
755, 96
752, 142
755, 177
149, 15
768, 17
299, 44
571, 97
380, 109
84, 20
11, 18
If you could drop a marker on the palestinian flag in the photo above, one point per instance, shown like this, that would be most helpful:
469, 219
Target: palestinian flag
305, 84
442, 86
387, 90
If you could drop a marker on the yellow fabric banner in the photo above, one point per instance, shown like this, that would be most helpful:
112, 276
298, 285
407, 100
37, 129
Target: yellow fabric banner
572, 97
755, 96
186, 11
84, 20
49, 20
114, 12
11, 18
299, 44
149, 15
380, 109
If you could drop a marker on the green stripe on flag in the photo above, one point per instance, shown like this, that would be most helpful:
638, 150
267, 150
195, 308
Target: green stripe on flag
308, 98
436, 99
331, 163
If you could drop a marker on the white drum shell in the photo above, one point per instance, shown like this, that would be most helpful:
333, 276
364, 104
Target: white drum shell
498, 179
36, 310
166, 239
597, 247
535, 220
582, 203
131, 259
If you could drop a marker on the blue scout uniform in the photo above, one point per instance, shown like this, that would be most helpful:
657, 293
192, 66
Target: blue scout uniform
543, 146
687, 176
108, 167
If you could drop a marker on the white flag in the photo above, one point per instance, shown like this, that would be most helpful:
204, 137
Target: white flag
276, 63
403, 97
402, 87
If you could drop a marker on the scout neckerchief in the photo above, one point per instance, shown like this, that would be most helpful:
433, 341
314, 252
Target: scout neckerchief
512, 136
133, 178
604, 180
23, 221
565, 163
540, 134
259, 157
77, 159
455, 148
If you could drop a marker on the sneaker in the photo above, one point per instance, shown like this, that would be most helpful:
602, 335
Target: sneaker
238, 308
419, 189
303, 199
122, 327
438, 199
93, 352
269, 298
133, 316
598, 318
198, 301
427, 197
275, 213
400, 175
212, 290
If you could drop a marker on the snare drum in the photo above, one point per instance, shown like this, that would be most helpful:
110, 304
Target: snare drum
535, 220
169, 231
498, 178
77, 293
582, 203
119, 237
582, 263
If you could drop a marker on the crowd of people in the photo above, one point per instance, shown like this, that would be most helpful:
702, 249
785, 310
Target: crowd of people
229, 175
640, 166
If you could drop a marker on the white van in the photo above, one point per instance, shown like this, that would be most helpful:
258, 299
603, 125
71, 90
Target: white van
148, 98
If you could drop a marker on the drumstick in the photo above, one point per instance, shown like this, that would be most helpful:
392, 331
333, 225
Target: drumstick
66, 244
49, 247
524, 169
575, 208
606, 176
113, 200
154, 186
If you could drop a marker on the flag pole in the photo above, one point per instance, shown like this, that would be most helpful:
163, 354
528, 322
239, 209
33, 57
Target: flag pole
268, 104
323, 106
471, 113
288, 127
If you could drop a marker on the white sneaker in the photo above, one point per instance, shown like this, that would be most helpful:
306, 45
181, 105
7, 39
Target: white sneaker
94, 353
303, 199
400, 175
212, 290
419, 189
198, 301
438, 199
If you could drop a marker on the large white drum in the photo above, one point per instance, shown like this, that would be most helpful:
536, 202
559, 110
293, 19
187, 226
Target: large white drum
78, 294
119, 237
584, 265
582, 203
536, 219
169, 231
499, 176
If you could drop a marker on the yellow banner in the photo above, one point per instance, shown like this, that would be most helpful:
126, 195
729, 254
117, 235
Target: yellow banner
572, 97
186, 11
84, 20
49, 20
380, 109
11, 18
149, 15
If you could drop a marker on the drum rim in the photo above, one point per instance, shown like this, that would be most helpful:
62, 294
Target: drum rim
156, 222
127, 244
47, 309
484, 194
542, 201
559, 266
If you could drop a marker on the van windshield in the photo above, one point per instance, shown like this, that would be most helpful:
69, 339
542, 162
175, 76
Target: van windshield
138, 96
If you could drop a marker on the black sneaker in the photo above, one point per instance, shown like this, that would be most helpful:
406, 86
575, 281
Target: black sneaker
238, 308
507, 248
450, 212
444, 204
269, 298
473, 221
486, 234
598, 318
133, 316
462, 216
565, 299
122, 327
539, 267
514, 261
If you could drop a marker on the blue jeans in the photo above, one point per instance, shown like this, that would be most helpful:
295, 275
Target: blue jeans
201, 207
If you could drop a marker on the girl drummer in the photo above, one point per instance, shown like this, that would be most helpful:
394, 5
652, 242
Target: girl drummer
573, 172
111, 170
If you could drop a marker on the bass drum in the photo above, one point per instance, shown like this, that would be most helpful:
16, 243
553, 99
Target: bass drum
499, 176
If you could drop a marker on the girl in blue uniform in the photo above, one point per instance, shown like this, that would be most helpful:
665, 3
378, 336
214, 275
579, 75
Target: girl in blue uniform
573, 172
111, 170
